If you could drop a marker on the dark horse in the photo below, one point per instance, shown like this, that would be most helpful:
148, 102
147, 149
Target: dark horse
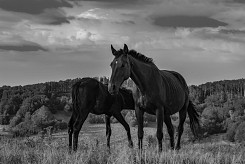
161, 93
91, 96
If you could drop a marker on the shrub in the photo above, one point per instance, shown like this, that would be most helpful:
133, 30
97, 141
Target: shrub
212, 120
60, 125
149, 117
96, 119
24, 129
15, 121
231, 131
131, 118
133, 123
240, 133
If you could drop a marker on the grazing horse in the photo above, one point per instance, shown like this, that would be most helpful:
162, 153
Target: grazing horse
91, 96
161, 93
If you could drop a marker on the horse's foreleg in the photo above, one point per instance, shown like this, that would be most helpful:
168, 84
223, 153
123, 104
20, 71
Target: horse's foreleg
120, 118
140, 119
70, 130
182, 117
108, 129
77, 127
170, 128
160, 117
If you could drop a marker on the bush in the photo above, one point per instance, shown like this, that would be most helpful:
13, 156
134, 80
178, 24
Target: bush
240, 133
133, 123
60, 125
24, 129
231, 131
149, 117
15, 121
131, 118
96, 119
212, 120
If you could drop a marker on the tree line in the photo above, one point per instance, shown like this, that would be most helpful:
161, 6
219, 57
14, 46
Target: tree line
21, 106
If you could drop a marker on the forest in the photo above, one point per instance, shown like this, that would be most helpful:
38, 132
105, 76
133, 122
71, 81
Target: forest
31, 108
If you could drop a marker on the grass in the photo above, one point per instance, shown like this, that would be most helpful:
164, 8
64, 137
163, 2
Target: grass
92, 150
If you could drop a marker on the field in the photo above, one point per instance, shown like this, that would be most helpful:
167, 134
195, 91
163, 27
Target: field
92, 149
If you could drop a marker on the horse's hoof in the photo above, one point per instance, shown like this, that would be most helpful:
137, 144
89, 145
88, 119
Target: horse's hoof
177, 148
130, 144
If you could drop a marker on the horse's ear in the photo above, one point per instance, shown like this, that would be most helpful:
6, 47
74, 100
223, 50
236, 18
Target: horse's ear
125, 49
113, 50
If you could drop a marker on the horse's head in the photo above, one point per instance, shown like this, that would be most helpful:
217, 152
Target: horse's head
120, 69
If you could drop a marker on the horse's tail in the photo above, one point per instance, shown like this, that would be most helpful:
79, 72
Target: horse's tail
194, 119
76, 100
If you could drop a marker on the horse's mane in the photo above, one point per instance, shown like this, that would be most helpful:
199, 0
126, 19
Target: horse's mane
140, 57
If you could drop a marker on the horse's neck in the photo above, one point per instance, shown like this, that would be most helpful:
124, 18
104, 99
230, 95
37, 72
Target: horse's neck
140, 74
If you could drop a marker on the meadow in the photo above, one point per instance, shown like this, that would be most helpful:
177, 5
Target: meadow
92, 149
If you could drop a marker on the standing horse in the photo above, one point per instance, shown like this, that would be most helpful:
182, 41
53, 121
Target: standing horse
91, 96
162, 93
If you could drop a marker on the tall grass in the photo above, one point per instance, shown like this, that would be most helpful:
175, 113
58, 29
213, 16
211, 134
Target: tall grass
55, 151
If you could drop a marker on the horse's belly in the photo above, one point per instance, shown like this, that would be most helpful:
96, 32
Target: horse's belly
174, 104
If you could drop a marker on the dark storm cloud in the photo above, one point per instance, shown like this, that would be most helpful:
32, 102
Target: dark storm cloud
112, 1
187, 21
239, 1
32, 6
125, 22
22, 48
225, 35
53, 17
232, 31
119, 3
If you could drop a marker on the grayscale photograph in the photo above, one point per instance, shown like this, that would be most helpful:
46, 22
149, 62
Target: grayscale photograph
122, 81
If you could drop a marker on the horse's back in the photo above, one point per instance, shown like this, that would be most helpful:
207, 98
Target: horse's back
90, 93
180, 78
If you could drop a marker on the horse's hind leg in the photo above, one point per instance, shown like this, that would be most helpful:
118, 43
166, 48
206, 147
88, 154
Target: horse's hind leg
140, 119
182, 117
108, 129
70, 130
77, 127
120, 118
170, 128
160, 117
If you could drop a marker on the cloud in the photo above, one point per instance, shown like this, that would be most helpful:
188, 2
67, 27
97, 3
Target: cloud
53, 17
95, 13
187, 21
204, 44
239, 1
22, 48
124, 22
16, 43
32, 6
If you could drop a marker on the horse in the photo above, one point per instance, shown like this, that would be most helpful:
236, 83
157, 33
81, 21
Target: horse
159, 92
91, 96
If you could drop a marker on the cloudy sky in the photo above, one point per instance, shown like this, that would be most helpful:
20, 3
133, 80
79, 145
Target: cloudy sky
51, 40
